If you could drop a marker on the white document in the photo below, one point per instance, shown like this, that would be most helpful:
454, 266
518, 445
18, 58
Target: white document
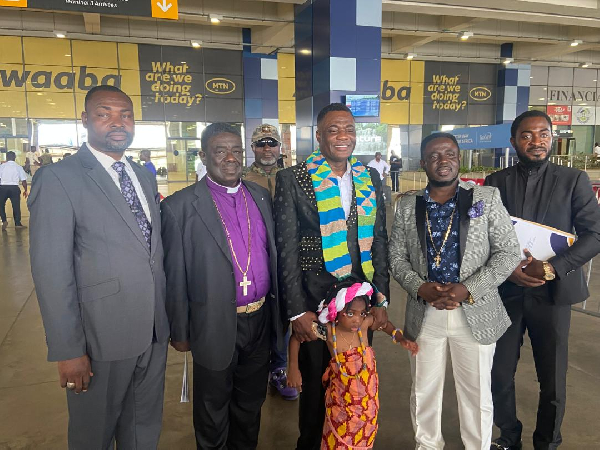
543, 242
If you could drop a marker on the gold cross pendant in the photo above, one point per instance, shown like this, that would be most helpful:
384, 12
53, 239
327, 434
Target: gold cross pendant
437, 260
245, 283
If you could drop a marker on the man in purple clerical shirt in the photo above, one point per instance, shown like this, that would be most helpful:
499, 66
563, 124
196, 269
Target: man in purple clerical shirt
222, 301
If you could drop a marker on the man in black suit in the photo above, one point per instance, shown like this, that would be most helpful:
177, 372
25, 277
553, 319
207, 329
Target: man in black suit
539, 294
222, 302
303, 277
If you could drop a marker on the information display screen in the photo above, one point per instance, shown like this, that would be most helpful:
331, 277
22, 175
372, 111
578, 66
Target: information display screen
363, 105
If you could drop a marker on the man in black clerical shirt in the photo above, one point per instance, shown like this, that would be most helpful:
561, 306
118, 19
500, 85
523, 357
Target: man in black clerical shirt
539, 294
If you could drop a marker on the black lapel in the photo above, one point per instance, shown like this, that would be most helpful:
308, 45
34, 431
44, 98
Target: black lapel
152, 205
207, 211
99, 175
465, 201
420, 219
510, 184
550, 181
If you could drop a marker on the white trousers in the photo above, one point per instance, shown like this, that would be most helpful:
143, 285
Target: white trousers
471, 366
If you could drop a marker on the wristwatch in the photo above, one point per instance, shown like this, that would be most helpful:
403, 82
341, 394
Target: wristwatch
548, 274
383, 304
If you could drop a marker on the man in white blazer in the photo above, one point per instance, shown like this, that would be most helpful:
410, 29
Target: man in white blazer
452, 244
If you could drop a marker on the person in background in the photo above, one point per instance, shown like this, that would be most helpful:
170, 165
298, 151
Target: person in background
32, 161
11, 175
46, 158
538, 295
395, 171
380, 165
145, 158
266, 146
597, 150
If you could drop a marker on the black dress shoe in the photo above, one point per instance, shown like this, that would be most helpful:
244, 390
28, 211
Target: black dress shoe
497, 444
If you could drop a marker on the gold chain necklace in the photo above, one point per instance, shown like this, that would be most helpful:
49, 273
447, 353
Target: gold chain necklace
346, 341
245, 282
438, 257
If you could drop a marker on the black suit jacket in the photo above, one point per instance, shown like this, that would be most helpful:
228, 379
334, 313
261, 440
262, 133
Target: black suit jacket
201, 295
568, 204
303, 279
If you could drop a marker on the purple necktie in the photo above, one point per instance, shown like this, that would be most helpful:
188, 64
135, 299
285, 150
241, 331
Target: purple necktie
133, 200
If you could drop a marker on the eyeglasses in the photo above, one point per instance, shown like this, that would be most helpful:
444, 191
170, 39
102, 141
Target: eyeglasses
269, 142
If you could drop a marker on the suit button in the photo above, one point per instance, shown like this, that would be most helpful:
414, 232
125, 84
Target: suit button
152, 262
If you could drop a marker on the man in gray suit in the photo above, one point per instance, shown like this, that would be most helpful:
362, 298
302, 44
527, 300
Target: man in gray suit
97, 264
452, 245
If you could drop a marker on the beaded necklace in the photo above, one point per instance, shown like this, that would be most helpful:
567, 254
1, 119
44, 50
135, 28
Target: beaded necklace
361, 351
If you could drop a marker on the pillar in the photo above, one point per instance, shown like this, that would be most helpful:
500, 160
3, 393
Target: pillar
338, 52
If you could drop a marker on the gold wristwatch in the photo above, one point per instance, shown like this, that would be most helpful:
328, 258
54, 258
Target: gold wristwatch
548, 274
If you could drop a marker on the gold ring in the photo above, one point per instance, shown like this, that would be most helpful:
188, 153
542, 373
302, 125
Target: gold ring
70, 385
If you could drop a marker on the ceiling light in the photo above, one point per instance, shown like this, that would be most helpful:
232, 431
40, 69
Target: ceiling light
60, 34
576, 42
410, 55
305, 51
507, 60
585, 64
465, 35
196, 44
215, 18
542, 98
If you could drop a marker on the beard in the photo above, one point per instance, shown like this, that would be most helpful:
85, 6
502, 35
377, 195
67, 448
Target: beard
118, 146
530, 164
447, 183
268, 161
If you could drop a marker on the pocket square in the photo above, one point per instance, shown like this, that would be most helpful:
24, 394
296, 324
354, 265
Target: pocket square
476, 210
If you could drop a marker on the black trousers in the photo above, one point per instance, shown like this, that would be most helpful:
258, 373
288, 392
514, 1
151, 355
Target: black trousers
548, 328
14, 194
395, 185
227, 402
313, 360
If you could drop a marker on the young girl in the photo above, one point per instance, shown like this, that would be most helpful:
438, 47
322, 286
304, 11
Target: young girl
351, 380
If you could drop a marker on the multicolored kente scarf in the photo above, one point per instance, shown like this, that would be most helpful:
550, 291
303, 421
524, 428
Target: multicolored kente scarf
332, 219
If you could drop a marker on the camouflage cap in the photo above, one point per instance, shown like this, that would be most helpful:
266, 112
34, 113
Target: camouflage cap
265, 131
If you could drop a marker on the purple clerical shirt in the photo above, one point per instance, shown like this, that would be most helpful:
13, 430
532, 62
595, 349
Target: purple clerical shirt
230, 202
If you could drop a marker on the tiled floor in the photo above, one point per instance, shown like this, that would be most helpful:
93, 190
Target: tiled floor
33, 410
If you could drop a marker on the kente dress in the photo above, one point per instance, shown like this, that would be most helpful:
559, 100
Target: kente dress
351, 403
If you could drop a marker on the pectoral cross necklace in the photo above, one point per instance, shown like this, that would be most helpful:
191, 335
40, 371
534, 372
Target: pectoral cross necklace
438, 254
245, 282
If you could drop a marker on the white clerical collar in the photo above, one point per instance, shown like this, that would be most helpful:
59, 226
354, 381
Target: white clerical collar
230, 190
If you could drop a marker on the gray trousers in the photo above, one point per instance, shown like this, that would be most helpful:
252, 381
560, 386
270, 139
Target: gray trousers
124, 403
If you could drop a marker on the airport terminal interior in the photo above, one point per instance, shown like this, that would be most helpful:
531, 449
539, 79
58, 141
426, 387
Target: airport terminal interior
404, 68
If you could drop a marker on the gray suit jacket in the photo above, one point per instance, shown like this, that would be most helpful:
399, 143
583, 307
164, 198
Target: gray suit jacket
489, 252
101, 291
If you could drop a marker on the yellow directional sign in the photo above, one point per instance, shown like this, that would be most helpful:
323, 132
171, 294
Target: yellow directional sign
14, 3
164, 9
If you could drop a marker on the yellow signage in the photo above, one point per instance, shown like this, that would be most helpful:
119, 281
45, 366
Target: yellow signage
220, 86
14, 3
401, 92
164, 9
480, 93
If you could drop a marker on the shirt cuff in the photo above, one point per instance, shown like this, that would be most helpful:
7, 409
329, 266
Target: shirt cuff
297, 317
